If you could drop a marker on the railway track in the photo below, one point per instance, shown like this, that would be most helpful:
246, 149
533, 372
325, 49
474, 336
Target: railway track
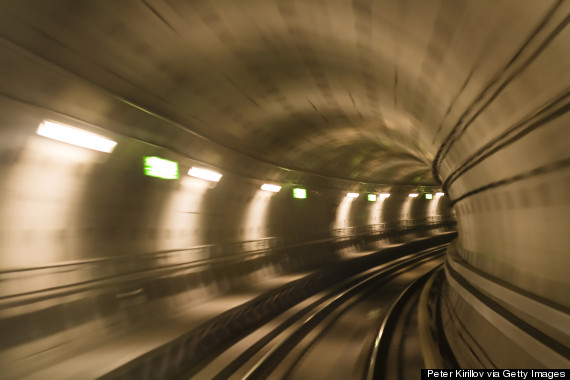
349, 331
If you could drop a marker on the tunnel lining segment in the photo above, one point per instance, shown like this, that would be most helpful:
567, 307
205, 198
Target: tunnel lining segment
546, 350
552, 110
542, 170
538, 307
460, 126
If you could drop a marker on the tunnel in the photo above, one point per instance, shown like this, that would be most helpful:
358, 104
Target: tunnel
234, 158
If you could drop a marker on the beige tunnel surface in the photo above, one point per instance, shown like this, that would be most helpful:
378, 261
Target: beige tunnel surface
466, 97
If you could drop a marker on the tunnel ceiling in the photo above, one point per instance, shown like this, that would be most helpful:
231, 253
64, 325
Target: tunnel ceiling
361, 90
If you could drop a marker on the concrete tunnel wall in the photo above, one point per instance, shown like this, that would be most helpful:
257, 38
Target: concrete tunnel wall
77, 225
64, 203
483, 86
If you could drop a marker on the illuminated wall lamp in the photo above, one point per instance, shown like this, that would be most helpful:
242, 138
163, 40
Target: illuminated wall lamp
271, 188
208, 175
413, 195
384, 195
352, 195
439, 194
75, 136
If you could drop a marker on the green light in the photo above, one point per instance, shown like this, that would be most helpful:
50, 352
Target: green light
161, 168
299, 193
372, 197
429, 196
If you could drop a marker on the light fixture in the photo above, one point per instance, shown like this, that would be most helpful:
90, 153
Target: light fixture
439, 194
75, 136
372, 197
161, 168
413, 195
299, 193
352, 195
429, 196
208, 175
269, 187
384, 195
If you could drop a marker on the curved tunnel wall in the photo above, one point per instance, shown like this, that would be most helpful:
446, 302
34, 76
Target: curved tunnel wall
505, 165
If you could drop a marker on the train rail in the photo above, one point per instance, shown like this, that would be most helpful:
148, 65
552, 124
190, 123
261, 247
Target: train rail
338, 333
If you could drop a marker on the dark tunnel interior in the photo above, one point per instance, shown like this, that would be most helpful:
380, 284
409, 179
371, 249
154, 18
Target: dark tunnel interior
165, 162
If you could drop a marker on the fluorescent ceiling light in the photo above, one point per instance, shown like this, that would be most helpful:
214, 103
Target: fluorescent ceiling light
352, 195
413, 195
439, 194
429, 196
269, 187
75, 136
384, 195
208, 175
161, 168
372, 197
299, 193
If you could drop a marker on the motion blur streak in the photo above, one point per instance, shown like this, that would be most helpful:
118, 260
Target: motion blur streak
468, 98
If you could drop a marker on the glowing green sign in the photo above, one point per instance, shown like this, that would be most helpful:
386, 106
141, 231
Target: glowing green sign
429, 196
161, 168
372, 197
299, 193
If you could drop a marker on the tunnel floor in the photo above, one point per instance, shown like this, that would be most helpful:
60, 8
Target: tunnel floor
344, 337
